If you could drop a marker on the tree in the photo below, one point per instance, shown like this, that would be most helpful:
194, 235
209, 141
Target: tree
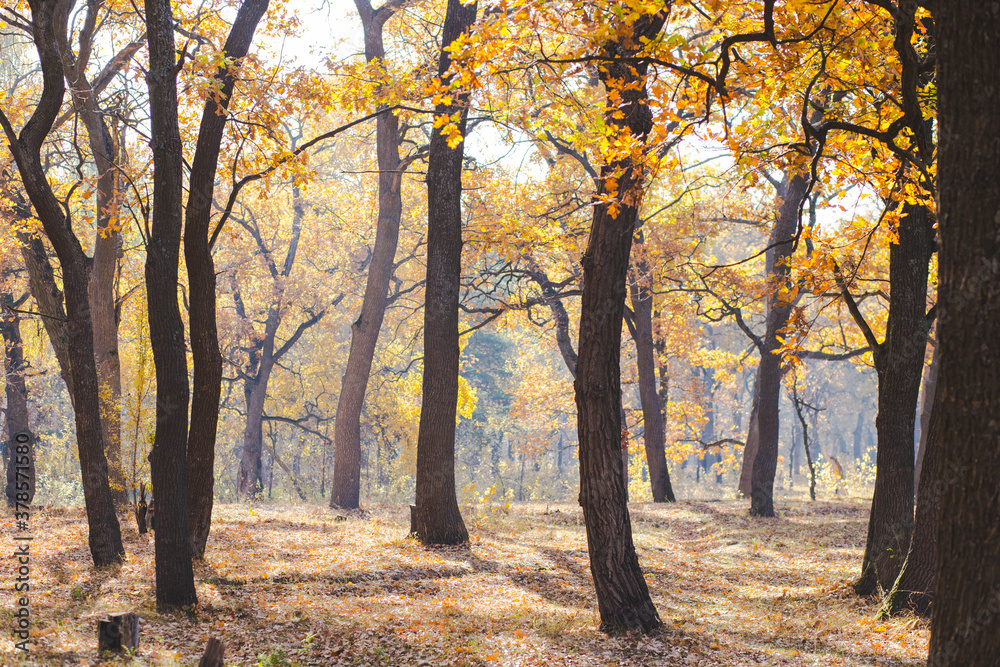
436, 515
49, 24
16, 415
205, 353
168, 458
622, 596
262, 355
346, 489
965, 620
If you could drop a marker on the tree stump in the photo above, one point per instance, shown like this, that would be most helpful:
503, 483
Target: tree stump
213, 654
119, 632
413, 519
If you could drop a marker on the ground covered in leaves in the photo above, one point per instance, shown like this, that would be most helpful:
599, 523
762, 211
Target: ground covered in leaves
286, 586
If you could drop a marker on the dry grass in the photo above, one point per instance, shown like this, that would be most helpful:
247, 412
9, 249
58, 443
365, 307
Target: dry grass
296, 586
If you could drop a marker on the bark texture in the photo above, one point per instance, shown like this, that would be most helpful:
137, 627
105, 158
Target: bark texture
346, 490
168, 458
965, 621
205, 353
768, 385
49, 20
436, 514
622, 596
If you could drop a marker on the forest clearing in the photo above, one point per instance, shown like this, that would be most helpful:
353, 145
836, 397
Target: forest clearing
284, 585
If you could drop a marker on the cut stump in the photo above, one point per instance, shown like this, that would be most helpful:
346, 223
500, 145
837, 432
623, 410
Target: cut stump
119, 632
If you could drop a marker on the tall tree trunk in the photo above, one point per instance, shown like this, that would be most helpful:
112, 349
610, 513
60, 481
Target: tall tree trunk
653, 431
49, 20
168, 458
346, 490
438, 519
205, 354
765, 462
17, 402
965, 621
899, 363
622, 596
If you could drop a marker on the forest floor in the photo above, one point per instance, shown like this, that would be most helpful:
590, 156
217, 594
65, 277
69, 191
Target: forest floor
284, 586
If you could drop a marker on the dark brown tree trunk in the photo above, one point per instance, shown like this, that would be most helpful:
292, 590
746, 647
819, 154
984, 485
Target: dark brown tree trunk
438, 519
653, 431
49, 19
965, 621
765, 461
899, 363
168, 458
914, 588
205, 354
622, 596
17, 406
346, 490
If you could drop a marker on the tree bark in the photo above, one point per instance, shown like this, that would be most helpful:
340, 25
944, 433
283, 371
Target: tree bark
346, 490
49, 19
653, 431
765, 461
438, 519
168, 458
914, 587
205, 353
622, 596
965, 621
17, 401
899, 363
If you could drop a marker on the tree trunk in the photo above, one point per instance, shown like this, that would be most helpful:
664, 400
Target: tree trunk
753, 439
662, 398
930, 386
107, 246
49, 20
653, 432
765, 462
250, 481
914, 588
438, 519
622, 596
205, 354
346, 490
899, 362
17, 404
965, 621
168, 458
